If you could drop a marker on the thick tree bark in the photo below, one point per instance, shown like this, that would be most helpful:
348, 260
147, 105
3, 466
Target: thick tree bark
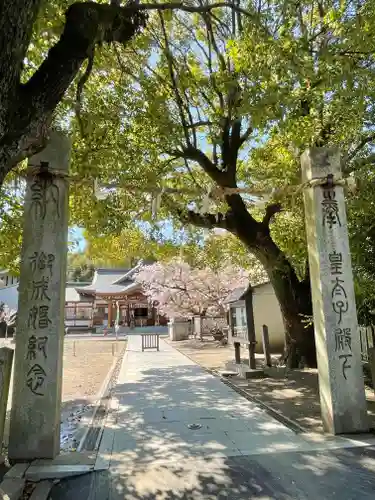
294, 296
26, 109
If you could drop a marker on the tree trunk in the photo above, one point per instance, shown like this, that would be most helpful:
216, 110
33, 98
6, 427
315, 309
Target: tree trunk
26, 108
294, 297
295, 304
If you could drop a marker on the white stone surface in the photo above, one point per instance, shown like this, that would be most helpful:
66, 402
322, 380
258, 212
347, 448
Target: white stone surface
160, 394
18, 470
41, 472
146, 439
35, 415
341, 382
178, 330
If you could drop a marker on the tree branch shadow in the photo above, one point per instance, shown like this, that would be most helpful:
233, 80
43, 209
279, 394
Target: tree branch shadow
156, 455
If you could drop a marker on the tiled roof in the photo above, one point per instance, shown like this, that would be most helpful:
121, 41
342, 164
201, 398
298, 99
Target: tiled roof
105, 277
111, 281
237, 294
127, 276
71, 294
105, 281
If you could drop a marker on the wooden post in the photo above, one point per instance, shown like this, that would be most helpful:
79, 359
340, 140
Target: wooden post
93, 307
341, 384
237, 353
230, 325
6, 360
266, 346
110, 312
250, 327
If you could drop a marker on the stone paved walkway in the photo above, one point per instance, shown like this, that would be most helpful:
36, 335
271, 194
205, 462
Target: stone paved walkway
163, 393
180, 433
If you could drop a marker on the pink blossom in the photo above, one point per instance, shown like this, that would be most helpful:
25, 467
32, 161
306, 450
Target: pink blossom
183, 291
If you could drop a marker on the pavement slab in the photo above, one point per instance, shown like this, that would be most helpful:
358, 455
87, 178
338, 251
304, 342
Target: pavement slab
178, 433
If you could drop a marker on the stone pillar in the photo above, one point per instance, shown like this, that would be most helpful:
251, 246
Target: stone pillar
6, 360
341, 384
35, 415
197, 326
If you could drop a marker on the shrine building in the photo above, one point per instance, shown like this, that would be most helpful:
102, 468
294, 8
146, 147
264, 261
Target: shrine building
112, 295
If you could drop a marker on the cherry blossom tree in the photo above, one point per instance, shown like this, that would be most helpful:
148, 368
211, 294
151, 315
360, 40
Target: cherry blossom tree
184, 291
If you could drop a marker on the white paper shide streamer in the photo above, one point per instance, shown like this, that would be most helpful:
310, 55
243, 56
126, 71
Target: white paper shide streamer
156, 203
99, 192
205, 208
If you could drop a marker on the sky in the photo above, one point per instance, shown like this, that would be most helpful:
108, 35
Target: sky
76, 234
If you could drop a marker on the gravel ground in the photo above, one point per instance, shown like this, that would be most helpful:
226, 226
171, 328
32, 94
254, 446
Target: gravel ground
85, 369
86, 365
295, 396
210, 354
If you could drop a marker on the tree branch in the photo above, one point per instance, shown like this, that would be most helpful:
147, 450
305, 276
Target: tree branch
235, 135
80, 86
225, 140
361, 145
271, 210
16, 23
191, 174
87, 24
172, 75
190, 8
358, 164
194, 154
244, 137
206, 221
202, 123
210, 68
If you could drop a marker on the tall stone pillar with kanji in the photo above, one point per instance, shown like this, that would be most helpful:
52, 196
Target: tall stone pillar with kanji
341, 383
36, 403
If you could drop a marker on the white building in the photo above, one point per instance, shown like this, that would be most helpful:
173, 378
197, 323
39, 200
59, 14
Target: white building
266, 311
9, 289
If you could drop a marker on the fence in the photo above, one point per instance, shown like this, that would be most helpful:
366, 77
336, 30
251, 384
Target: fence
367, 339
150, 341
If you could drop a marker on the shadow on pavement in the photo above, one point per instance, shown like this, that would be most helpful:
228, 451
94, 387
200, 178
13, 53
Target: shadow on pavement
157, 456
